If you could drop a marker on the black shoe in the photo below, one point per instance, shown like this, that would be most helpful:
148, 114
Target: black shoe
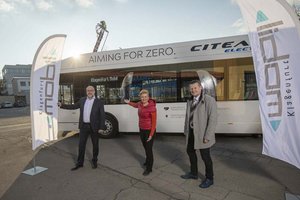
76, 167
145, 164
147, 172
94, 165
189, 176
206, 183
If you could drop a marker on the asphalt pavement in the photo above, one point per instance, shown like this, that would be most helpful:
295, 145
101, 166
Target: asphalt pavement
241, 171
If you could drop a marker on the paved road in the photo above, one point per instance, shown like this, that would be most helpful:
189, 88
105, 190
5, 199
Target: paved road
241, 172
15, 144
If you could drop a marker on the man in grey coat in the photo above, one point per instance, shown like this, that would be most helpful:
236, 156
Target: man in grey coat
199, 129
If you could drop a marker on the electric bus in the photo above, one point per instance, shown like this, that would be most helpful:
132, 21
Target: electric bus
165, 70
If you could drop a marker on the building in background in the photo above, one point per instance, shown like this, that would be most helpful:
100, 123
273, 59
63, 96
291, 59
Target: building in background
21, 89
1, 85
297, 9
296, 6
16, 81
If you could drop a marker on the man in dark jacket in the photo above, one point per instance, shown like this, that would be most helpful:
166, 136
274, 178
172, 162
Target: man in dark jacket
91, 122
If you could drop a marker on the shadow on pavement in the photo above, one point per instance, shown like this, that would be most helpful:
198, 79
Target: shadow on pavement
130, 148
172, 152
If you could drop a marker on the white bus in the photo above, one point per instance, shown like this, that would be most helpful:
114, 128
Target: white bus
165, 70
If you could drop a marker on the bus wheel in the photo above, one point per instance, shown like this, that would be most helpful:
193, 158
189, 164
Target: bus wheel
111, 127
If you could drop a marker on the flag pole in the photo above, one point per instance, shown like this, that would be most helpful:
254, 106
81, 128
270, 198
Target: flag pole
35, 169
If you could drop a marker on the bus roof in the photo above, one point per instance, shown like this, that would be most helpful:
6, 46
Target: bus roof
181, 52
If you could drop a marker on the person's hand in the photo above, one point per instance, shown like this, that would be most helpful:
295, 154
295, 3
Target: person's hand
59, 104
149, 138
205, 141
100, 131
126, 101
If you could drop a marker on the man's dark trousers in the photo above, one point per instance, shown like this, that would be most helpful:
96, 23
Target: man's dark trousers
205, 155
85, 131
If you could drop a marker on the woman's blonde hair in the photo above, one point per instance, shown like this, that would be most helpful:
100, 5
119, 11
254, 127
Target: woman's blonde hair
144, 91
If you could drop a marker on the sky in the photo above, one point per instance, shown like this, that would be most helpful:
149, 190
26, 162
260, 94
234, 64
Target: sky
24, 24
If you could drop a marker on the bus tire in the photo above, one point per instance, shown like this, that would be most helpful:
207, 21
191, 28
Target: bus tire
111, 124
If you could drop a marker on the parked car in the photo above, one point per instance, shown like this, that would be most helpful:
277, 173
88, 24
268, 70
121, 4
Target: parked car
19, 104
7, 104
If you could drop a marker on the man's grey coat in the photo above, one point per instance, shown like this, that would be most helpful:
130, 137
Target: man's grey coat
204, 122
